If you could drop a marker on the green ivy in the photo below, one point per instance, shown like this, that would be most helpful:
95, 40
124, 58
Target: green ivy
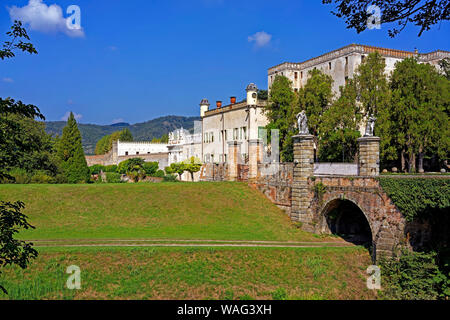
319, 190
417, 197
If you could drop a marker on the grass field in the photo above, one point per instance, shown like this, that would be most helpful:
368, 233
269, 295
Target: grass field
187, 273
222, 211
99, 217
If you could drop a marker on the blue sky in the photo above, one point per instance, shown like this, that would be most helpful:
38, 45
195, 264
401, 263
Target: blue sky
135, 60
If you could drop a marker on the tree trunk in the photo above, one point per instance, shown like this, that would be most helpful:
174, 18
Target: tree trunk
420, 162
412, 162
403, 161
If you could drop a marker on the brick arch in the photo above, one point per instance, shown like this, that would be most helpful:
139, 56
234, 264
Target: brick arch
385, 220
333, 198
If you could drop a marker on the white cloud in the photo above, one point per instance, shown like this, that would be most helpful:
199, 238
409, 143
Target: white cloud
8, 80
41, 17
119, 120
260, 39
67, 114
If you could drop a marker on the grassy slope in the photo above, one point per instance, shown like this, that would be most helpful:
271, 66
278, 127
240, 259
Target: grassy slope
168, 273
223, 211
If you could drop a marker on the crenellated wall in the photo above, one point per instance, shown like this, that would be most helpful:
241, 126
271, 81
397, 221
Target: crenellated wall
113, 158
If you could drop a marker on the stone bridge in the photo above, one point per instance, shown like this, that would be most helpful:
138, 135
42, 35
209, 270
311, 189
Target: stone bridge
342, 199
353, 206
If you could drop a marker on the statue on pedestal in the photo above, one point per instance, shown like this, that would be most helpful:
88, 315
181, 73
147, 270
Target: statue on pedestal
302, 122
370, 126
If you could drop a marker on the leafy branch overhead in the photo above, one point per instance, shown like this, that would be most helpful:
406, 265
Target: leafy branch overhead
16, 34
423, 14
13, 251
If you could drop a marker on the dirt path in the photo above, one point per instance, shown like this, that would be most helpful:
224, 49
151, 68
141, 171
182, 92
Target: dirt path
184, 243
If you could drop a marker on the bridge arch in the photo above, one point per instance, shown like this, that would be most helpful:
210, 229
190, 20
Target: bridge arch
346, 218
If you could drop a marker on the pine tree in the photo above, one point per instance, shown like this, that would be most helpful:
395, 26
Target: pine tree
71, 154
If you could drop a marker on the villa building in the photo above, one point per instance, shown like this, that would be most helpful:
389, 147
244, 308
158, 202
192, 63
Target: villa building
234, 122
341, 64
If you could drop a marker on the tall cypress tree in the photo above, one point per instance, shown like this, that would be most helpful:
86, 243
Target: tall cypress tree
71, 154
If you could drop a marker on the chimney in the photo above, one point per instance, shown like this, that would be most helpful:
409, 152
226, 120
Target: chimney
204, 107
219, 104
232, 100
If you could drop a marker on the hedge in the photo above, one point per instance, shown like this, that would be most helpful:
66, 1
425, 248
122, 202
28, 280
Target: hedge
417, 197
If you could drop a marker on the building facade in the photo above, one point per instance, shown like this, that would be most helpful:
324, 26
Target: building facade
140, 148
183, 145
122, 151
341, 64
234, 122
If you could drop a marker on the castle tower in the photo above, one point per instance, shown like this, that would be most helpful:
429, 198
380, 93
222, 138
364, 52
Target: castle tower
204, 107
252, 94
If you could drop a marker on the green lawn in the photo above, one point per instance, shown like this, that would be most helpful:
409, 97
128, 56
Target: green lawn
79, 214
222, 211
186, 273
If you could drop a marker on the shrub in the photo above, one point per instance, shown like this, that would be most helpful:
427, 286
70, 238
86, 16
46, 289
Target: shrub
113, 177
159, 174
96, 168
151, 168
111, 168
414, 276
21, 176
170, 178
60, 178
41, 177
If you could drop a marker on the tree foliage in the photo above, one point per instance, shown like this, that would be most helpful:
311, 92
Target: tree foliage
164, 139
178, 168
104, 145
13, 251
423, 14
339, 128
71, 154
151, 168
279, 112
192, 166
372, 86
16, 43
12, 139
416, 120
444, 65
315, 98
33, 148
135, 168
414, 276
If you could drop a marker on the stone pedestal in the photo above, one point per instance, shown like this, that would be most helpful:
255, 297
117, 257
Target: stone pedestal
369, 156
255, 156
303, 169
234, 155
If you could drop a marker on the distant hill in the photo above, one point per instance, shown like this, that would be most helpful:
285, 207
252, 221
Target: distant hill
144, 131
